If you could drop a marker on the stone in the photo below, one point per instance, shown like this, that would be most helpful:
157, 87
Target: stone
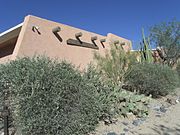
112, 133
177, 100
171, 100
158, 115
130, 116
156, 107
138, 122
125, 129
163, 109
125, 123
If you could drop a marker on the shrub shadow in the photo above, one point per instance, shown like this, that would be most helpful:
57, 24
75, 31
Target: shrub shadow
164, 130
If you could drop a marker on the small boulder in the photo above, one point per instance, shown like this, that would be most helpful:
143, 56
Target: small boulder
125, 129
112, 133
163, 109
138, 122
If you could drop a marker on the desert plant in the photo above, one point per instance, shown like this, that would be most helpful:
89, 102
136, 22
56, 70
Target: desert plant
178, 69
153, 79
115, 63
166, 35
145, 50
49, 97
113, 100
131, 102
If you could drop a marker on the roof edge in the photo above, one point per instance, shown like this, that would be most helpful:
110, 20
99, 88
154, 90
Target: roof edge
11, 29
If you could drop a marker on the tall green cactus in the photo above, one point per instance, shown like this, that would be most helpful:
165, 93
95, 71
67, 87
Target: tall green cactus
145, 51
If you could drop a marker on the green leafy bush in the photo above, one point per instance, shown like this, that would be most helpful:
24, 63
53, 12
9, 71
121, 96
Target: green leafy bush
166, 35
113, 100
178, 69
115, 63
49, 98
154, 79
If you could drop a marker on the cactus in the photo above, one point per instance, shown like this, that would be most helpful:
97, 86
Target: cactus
145, 51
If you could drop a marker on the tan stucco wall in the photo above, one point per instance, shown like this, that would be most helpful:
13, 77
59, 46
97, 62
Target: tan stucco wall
31, 43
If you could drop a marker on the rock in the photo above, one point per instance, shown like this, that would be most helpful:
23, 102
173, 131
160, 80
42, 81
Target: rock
177, 100
157, 108
143, 119
163, 109
160, 108
138, 122
112, 133
167, 105
158, 115
171, 100
130, 116
125, 123
125, 129
107, 121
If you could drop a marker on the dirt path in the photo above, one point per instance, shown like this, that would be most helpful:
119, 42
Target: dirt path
159, 122
167, 124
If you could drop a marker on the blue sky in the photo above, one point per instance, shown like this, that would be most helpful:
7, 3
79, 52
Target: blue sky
122, 17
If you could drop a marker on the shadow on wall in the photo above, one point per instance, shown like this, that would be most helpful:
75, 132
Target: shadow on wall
7, 47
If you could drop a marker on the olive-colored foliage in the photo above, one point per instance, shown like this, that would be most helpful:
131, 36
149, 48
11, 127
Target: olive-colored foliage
178, 69
115, 63
154, 79
113, 99
167, 36
49, 98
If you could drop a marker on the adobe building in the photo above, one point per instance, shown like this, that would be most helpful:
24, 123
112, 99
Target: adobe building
37, 36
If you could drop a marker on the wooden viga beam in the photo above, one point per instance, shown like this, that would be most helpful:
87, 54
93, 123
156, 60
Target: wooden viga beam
80, 43
103, 40
93, 40
122, 43
78, 35
116, 42
55, 31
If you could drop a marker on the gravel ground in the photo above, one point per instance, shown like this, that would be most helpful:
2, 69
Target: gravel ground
163, 119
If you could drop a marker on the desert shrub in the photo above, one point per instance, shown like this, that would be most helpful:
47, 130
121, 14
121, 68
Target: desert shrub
178, 69
115, 63
49, 97
1, 93
113, 100
166, 35
154, 79
101, 86
1, 104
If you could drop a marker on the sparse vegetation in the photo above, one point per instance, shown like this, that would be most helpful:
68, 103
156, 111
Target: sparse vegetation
115, 63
